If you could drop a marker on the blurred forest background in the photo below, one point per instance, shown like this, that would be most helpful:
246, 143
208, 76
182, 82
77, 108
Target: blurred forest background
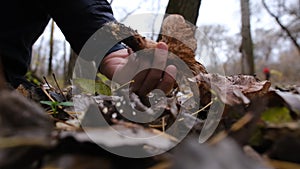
273, 44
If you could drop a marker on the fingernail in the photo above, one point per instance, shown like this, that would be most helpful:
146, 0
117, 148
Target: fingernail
172, 71
162, 45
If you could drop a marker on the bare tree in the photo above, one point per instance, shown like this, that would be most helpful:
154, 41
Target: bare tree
38, 56
282, 26
246, 47
65, 68
51, 44
212, 42
71, 65
265, 41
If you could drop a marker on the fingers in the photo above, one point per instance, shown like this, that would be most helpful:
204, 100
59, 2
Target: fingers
160, 56
149, 69
155, 74
151, 81
168, 80
144, 63
125, 71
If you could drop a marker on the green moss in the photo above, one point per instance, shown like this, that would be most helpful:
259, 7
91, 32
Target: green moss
276, 115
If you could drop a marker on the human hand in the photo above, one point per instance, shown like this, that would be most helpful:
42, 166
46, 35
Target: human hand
148, 72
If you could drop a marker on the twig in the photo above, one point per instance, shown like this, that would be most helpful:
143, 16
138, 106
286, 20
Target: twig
282, 164
46, 82
282, 26
50, 98
197, 112
155, 125
203, 108
58, 87
235, 127
166, 135
19, 141
64, 122
129, 13
47, 94
163, 124
125, 84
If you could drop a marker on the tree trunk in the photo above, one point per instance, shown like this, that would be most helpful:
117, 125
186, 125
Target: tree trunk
246, 48
39, 56
189, 9
71, 65
51, 49
65, 68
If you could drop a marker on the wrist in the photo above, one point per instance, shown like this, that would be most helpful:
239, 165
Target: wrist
112, 62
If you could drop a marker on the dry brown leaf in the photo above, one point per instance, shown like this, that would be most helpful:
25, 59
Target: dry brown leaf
227, 87
180, 38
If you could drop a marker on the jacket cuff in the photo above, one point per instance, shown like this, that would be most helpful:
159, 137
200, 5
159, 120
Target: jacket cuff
117, 47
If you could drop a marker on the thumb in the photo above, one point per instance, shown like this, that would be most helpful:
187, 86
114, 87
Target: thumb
160, 56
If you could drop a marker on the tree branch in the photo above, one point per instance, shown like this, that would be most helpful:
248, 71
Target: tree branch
129, 13
294, 41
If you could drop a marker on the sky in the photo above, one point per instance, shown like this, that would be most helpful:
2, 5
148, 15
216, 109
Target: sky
224, 12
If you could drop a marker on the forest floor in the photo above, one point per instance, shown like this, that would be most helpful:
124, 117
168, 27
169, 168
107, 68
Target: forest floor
256, 126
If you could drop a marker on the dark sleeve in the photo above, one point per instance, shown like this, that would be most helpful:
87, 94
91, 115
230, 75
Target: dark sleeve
80, 19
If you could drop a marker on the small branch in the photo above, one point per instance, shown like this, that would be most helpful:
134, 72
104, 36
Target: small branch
45, 79
22, 141
48, 95
282, 26
235, 127
64, 122
61, 92
129, 13
197, 112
